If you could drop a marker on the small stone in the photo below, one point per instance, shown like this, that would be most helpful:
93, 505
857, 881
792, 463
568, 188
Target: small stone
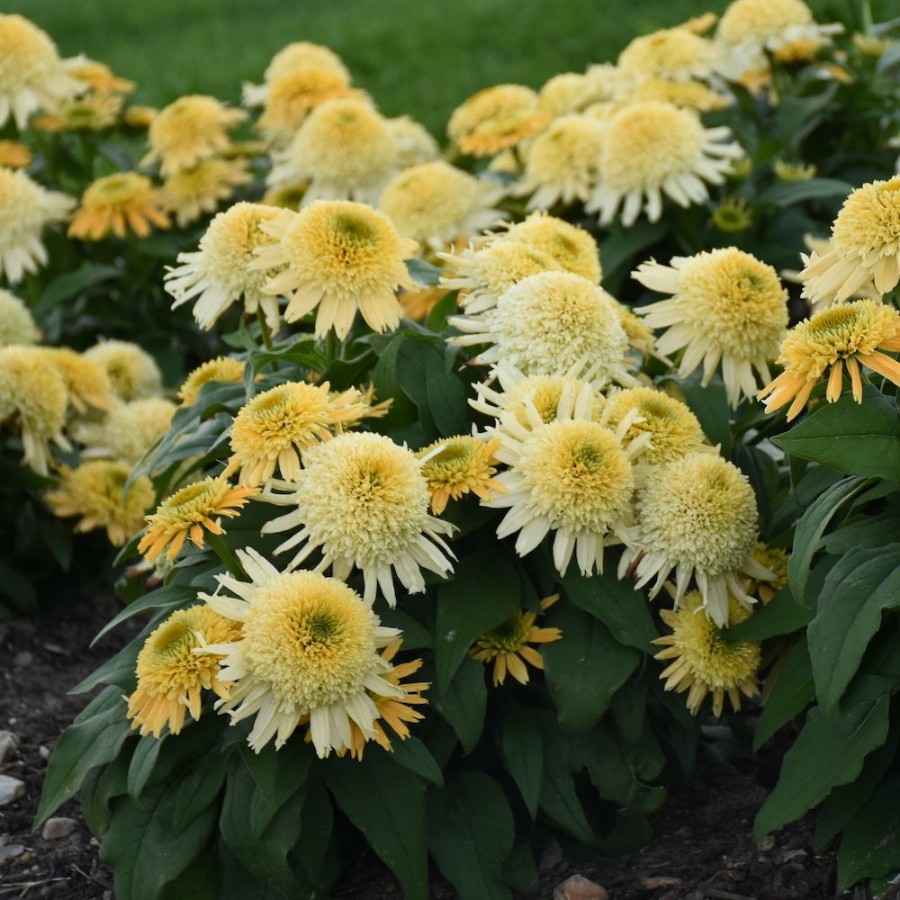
44, 752
8, 744
22, 658
655, 882
766, 844
580, 888
10, 851
57, 828
10, 789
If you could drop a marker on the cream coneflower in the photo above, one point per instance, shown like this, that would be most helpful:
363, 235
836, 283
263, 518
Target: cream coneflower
703, 661
728, 309
308, 648
344, 149
459, 465
138, 116
218, 273
32, 76
439, 205
189, 513
170, 676
87, 382
119, 203
573, 248
97, 76
96, 491
299, 55
338, 256
191, 128
865, 246
563, 94
562, 162
33, 401
362, 500
272, 429
415, 143
128, 430
547, 324
25, 209
14, 155
481, 275
674, 430
496, 118
222, 368
846, 335
675, 54
688, 94
774, 560
89, 112
192, 192
134, 373
697, 516
507, 644
17, 325
652, 149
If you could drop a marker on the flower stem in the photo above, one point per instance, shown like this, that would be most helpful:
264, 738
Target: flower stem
224, 553
264, 331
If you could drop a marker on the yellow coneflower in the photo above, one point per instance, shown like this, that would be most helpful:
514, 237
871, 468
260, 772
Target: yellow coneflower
675, 54
847, 336
192, 192
298, 55
222, 368
139, 116
507, 644
17, 325
14, 155
170, 676
96, 491
774, 560
189, 513
97, 76
415, 143
87, 382
459, 465
89, 112
128, 430
688, 94
119, 203
133, 372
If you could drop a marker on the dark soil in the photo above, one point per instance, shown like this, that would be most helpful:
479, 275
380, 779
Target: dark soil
703, 849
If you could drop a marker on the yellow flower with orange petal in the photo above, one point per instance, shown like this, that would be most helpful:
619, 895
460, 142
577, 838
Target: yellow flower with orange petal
118, 203
459, 465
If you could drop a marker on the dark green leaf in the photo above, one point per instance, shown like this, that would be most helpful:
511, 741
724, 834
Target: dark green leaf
198, 787
520, 871
412, 754
559, 799
142, 763
464, 702
117, 670
781, 615
66, 286
871, 844
470, 835
422, 272
794, 690
623, 249
277, 774
710, 405
522, 751
167, 598
789, 193
18, 588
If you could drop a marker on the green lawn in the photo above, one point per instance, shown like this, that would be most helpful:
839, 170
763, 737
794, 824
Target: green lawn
421, 57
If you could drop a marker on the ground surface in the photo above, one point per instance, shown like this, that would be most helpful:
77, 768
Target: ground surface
703, 848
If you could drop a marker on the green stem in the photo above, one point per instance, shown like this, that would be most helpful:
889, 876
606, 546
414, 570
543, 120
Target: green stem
264, 331
330, 346
88, 155
224, 553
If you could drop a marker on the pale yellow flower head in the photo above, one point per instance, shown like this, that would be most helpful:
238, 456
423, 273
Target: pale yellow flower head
688, 94
219, 273
704, 662
128, 430
654, 149
563, 94
496, 118
438, 204
362, 500
459, 465
134, 373
344, 149
14, 155
97, 76
728, 310
17, 325
192, 128
87, 382
299, 55
199, 190
96, 491
25, 210
337, 256
222, 368
675, 54
120, 203
87, 112
32, 76
170, 676
415, 143
846, 335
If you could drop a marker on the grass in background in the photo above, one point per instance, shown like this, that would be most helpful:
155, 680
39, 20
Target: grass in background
421, 57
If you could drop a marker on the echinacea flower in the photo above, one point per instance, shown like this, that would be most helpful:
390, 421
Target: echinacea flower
298, 55
87, 382
199, 189
675, 54
459, 465
337, 257
170, 676
703, 661
97, 76
128, 430
865, 246
87, 112
728, 309
414, 142
25, 209
308, 648
271, 430
363, 501
17, 325
191, 511
652, 149
14, 155
507, 644
440, 205
133, 372
99, 491
222, 368
119, 203
697, 516
844, 336
218, 273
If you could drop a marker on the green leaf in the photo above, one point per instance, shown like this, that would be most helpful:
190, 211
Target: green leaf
871, 844
484, 592
623, 248
781, 615
319, 858
94, 740
277, 774
828, 752
794, 690
789, 193
142, 763
811, 527
860, 587
118, 670
386, 802
98, 789
66, 286
520, 871
622, 609
18, 588
412, 754
198, 787
585, 668
522, 750
167, 598
470, 835
854, 438
464, 702
422, 272
559, 800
